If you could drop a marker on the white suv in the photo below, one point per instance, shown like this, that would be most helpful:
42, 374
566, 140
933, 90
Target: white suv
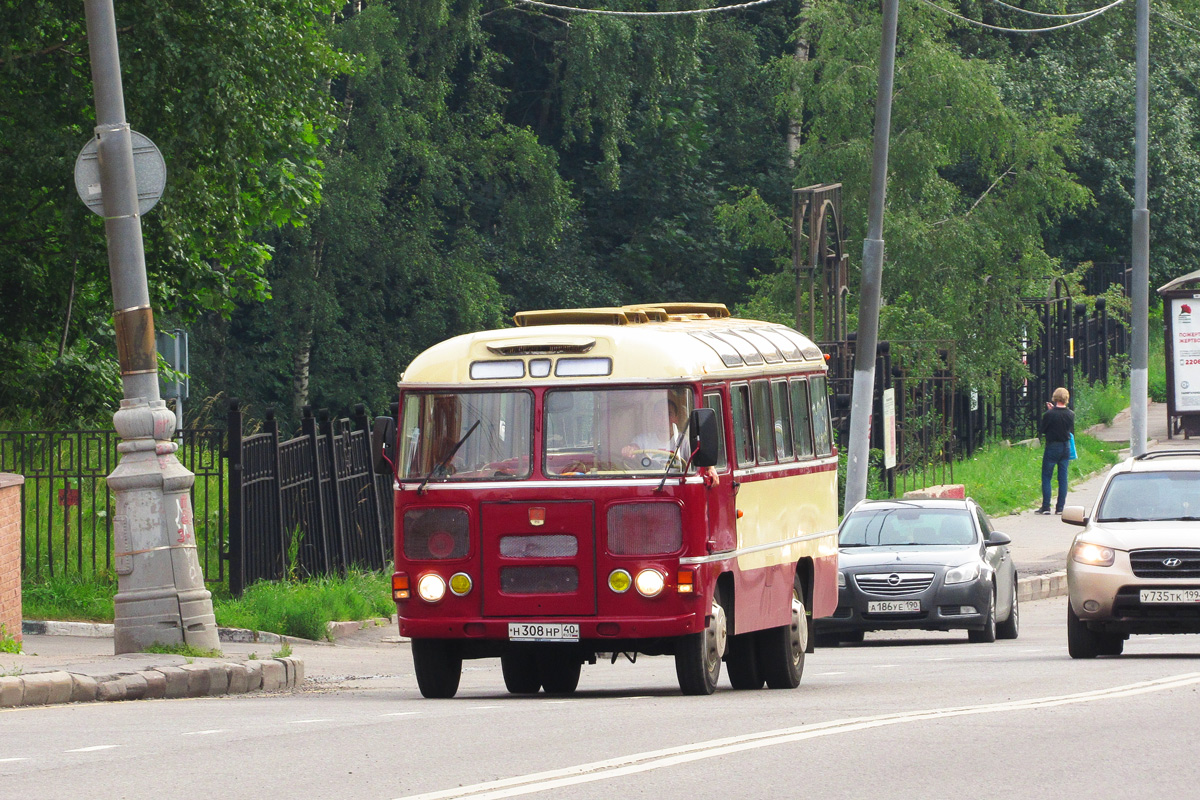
1135, 567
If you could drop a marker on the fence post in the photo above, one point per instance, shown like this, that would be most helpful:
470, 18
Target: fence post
237, 542
363, 422
1102, 310
335, 482
308, 424
285, 536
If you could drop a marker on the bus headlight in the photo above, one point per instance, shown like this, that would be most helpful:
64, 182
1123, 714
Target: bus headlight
460, 583
650, 583
431, 587
619, 581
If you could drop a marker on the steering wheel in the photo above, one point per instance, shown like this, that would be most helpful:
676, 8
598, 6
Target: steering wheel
647, 456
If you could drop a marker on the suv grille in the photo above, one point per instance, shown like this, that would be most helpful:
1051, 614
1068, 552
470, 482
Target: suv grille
883, 584
1154, 563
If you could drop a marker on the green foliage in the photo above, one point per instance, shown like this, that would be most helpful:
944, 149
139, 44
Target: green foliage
180, 649
304, 609
1097, 402
1007, 480
284, 651
8, 643
1157, 366
67, 598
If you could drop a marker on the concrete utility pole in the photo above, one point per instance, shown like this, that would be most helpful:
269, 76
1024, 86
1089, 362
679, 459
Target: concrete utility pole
1139, 358
160, 591
872, 272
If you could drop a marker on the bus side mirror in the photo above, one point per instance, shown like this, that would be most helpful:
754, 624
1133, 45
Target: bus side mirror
383, 442
704, 436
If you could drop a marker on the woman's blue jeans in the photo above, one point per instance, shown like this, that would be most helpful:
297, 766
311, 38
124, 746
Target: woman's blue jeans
1058, 455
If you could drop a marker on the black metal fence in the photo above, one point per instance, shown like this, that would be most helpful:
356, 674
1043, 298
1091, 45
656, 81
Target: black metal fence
66, 527
310, 505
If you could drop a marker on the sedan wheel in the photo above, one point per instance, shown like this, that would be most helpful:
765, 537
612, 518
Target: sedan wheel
988, 633
1011, 626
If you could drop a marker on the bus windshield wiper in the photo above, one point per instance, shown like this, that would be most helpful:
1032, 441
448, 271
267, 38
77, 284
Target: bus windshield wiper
675, 455
441, 467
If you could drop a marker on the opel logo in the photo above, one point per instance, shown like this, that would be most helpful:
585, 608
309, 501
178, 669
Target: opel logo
893, 579
1172, 562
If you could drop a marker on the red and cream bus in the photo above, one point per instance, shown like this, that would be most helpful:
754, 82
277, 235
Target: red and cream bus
654, 480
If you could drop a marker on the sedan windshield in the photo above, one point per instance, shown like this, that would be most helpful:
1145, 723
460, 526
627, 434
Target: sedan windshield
907, 526
1138, 496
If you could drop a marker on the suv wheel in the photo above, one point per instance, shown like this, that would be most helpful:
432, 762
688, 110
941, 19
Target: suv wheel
1082, 642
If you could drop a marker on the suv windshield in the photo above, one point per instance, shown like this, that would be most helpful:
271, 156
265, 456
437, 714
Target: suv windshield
1134, 496
616, 432
434, 422
907, 526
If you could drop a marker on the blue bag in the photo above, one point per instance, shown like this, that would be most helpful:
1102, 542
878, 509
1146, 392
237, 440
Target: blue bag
1071, 454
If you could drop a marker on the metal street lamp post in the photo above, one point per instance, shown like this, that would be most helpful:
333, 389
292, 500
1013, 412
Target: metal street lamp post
1139, 357
160, 589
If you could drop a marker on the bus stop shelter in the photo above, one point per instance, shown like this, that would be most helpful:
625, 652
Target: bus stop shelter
1181, 331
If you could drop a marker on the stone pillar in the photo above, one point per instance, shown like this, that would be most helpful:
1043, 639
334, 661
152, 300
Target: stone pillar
10, 554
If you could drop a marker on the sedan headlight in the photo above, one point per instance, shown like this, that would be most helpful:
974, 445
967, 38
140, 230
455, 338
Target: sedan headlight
967, 572
1093, 554
841, 580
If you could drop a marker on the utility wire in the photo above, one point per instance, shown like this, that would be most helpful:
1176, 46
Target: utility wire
692, 12
1172, 21
1091, 15
1051, 16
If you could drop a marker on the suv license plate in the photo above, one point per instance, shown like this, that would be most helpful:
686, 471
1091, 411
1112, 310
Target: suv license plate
543, 632
893, 606
1170, 595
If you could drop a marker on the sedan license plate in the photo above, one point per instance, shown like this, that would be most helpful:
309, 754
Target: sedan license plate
1170, 596
893, 606
543, 632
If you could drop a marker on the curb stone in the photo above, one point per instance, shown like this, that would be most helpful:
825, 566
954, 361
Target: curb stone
186, 680
1040, 587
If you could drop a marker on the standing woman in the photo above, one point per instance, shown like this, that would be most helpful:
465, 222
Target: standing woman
1058, 423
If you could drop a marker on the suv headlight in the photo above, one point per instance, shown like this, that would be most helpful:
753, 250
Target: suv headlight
1093, 554
967, 572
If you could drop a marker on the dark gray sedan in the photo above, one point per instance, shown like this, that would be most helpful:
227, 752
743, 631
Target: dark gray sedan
922, 564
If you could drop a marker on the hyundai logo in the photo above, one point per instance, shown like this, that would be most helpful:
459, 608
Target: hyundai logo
893, 579
1172, 562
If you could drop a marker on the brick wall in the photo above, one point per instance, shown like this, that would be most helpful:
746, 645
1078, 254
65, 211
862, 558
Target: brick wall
10, 554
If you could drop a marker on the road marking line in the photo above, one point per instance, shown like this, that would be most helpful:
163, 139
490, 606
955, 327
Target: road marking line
481, 708
823, 674
7, 760
886, 666
203, 733
400, 714
305, 721
675, 756
93, 748
635, 697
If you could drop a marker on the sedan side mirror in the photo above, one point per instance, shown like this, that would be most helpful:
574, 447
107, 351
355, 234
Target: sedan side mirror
1074, 515
996, 539
383, 442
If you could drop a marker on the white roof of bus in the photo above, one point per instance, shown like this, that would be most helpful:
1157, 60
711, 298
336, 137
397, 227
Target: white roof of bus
643, 342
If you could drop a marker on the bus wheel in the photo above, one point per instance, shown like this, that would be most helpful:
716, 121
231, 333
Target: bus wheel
742, 662
698, 655
520, 669
558, 669
781, 650
439, 667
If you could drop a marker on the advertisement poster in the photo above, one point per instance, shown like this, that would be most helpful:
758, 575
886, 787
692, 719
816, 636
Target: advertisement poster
1186, 347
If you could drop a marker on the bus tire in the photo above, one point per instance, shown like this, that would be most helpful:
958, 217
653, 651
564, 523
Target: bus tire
558, 670
520, 669
698, 655
741, 661
781, 650
439, 667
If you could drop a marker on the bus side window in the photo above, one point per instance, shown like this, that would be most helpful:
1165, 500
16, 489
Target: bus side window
783, 420
820, 418
764, 427
801, 410
742, 441
714, 402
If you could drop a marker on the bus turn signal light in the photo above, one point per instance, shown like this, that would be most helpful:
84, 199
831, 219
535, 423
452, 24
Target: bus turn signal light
685, 581
400, 589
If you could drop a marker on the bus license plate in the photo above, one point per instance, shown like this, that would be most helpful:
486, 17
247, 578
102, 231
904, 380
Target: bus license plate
543, 632
1170, 595
893, 606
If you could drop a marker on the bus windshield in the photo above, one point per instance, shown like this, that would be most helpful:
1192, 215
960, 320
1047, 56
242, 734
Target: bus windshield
616, 432
499, 447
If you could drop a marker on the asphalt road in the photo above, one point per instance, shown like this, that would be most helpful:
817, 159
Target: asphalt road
902, 715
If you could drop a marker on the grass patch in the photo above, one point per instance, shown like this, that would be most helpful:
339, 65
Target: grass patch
8, 644
69, 598
188, 650
1006, 480
304, 609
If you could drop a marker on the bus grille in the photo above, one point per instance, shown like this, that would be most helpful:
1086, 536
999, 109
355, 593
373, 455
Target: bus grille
892, 584
539, 580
